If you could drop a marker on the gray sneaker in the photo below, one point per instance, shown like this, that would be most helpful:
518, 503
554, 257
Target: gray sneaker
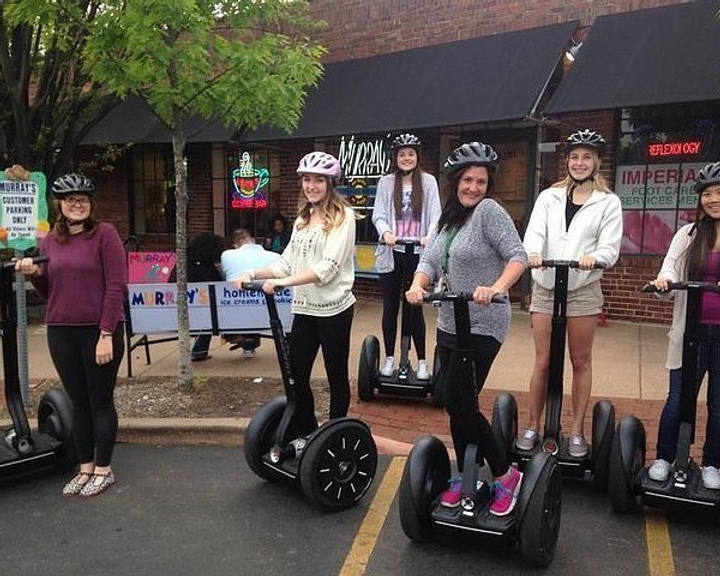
527, 440
660, 470
577, 447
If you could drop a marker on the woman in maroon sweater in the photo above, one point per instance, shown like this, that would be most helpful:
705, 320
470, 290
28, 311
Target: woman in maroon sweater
84, 283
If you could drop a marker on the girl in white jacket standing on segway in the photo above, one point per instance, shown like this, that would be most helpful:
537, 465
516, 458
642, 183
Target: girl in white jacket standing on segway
578, 218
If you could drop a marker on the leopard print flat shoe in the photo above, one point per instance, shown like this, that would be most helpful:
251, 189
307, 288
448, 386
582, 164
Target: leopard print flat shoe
97, 484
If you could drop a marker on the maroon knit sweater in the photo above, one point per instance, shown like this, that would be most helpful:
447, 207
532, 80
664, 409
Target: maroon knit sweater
85, 279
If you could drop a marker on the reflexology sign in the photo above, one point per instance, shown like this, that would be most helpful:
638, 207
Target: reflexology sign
23, 208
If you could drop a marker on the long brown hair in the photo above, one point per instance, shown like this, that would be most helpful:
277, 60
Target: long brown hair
416, 194
61, 228
704, 236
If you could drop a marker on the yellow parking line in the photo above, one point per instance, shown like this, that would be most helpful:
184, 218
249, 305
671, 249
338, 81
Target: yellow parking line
364, 543
660, 556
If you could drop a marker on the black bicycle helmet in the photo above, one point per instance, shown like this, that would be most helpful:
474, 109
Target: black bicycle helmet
72, 184
471, 154
708, 176
585, 138
405, 141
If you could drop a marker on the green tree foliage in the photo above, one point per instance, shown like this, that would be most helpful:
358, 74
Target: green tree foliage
47, 102
244, 62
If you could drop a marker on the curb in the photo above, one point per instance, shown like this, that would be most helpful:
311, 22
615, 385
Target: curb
207, 432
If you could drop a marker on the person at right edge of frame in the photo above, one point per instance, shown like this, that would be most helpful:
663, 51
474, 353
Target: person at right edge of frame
578, 218
694, 254
476, 250
407, 205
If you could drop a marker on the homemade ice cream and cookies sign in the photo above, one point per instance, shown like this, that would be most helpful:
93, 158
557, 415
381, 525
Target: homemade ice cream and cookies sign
23, 208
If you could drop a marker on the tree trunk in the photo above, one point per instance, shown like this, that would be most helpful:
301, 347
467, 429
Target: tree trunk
185, 375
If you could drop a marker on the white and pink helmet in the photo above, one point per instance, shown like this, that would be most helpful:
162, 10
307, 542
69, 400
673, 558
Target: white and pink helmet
320, 163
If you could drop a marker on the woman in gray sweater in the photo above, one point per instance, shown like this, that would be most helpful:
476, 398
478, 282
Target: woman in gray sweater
477, 250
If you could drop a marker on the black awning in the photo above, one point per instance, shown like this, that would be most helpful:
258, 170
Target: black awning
658, 56
133, 121
492, 78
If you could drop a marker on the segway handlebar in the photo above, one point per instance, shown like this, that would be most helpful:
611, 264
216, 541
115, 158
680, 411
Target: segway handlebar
568, 263
704, 286
462, 296
258, 285
404, 241
36, 260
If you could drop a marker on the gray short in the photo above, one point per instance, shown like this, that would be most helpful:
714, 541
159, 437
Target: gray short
585, 301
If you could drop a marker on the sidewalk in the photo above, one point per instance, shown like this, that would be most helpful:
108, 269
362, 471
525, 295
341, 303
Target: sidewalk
628, 368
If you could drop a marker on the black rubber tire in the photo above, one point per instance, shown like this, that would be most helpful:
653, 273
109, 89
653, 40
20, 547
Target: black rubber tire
368, 368
629, 439
425, 476
338, 465
55, 418
438, 381
603, 426
260, 436
505, 423
540, 522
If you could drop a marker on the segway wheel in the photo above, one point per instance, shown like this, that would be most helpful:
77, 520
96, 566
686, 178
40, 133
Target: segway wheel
603, 430
260, 436
55, 419
338, 465
504, 422
368, 368
425, 476
627, 459
541, 510
438, 381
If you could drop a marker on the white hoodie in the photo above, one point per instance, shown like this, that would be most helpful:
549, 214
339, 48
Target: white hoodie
595, 230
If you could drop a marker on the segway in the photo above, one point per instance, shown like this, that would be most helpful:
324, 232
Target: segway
597, 461
23, 449
334, 466
404, 380
534, 522
683, 487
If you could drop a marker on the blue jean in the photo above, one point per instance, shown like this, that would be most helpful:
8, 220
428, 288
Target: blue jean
708, 362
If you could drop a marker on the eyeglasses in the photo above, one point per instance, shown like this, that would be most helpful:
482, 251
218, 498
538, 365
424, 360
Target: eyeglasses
77, 201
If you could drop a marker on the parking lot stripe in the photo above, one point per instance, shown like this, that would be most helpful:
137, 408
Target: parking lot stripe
364, 543
659, 548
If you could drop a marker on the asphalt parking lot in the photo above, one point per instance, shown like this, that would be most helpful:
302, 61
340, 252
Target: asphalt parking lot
199, 510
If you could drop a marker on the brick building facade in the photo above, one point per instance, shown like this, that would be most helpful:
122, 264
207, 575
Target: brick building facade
363, 30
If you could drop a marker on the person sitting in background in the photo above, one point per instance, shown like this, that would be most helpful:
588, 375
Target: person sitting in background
280, 236
243, 256
203, 265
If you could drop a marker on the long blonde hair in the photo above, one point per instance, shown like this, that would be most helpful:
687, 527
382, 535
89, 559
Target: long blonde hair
598, 180
332, 207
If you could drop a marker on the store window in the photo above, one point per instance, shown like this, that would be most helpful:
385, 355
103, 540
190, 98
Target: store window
253, 190
153, 189
660, 150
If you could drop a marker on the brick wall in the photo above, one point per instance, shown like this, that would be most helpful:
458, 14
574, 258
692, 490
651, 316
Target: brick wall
360, 28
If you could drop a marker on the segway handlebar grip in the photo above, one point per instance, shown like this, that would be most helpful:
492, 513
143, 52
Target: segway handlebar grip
704, 286
257, 285
569, 264
436, 297
403, 241
36, 260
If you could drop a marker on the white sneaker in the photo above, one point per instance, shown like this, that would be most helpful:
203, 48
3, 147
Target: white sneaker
711, 478
659, 471
422, 371
389, 368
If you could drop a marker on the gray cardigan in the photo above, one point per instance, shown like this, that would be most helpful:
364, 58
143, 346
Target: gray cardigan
384, 215
478, 255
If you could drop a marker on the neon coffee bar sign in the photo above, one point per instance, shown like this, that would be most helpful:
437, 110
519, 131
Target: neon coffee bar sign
674, 148
249, 185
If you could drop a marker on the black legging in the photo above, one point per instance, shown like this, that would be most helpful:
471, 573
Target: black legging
332, 334
90, 387
391, 284
470, 426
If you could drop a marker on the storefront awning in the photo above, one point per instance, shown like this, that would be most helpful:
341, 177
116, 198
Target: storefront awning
132, 121
487, 79
658, 56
